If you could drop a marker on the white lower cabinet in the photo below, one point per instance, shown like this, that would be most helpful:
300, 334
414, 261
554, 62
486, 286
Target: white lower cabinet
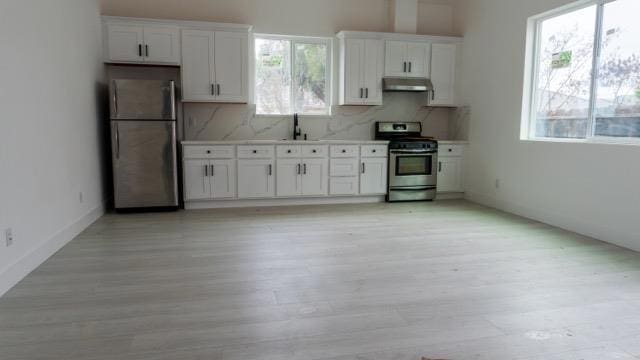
222, 171
450, 169
256, 178
289, 179
373, 176
315, 176
197, 185
302, 177
209, 179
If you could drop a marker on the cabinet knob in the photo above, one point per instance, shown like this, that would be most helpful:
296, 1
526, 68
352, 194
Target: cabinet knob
344, 151
374, 150
450, 150
288, 151
314, 151
208, 151
255, 151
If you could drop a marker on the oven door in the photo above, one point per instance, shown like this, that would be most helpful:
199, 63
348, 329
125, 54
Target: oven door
412, 168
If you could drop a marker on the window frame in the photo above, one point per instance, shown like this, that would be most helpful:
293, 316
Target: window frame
532, 66
293, 41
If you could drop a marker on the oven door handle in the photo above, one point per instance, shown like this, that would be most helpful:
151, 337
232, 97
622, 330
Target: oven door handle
415, 152
412, 188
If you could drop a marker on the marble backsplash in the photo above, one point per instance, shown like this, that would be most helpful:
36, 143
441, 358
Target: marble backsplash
205, 121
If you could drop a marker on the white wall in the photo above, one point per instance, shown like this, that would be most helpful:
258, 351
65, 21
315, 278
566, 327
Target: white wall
588, 188
49, 128
291, 17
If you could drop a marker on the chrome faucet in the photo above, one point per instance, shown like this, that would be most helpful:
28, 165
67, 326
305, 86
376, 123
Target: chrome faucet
296, 127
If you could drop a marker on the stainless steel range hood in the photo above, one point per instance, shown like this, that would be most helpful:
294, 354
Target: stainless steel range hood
406, 84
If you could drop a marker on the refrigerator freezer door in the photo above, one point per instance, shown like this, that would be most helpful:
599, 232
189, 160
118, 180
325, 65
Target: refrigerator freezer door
144, 164
142, 100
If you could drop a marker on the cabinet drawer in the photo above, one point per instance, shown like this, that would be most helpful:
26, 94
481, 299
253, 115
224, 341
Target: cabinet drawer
343, 185
344, 167
373, 151
450, 150
288, 151
210, 152
344, 151
255, 152
312, 151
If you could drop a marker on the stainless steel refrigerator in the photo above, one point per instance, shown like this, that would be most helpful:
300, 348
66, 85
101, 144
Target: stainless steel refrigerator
143, 143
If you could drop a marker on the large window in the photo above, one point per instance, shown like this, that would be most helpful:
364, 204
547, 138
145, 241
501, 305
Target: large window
292, 75
585, 81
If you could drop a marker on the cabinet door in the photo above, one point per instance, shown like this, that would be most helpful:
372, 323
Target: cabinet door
418, 57
395, 58
373, 68
373, 176
197, 184
124, 43
354, 71
197, 65
223, 179
162, 44
255, 179
315, 177
450, 174
443, 65
231, 66
288, 182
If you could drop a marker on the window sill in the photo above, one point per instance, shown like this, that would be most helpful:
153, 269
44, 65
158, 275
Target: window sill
598, 141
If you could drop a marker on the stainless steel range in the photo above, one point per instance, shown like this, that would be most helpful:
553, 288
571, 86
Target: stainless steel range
413, 161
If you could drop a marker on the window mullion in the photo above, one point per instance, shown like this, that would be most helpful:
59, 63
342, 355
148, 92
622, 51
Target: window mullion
597, 47
292, 97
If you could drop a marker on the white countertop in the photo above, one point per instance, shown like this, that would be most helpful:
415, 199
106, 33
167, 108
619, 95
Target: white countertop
286, 142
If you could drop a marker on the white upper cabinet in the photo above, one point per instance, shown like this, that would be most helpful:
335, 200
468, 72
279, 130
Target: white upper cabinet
231, 66
443, 74
214, 66
197, 65
406, 59
361, 68
135, 43
162, 44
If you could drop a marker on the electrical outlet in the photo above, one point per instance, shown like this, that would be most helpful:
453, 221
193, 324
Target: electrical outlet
81, 197
8, 234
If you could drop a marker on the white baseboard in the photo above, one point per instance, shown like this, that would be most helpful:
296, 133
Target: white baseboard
221, 204
596, 230
15, 272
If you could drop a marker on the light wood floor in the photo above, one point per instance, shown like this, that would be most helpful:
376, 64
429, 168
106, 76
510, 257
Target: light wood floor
395, 282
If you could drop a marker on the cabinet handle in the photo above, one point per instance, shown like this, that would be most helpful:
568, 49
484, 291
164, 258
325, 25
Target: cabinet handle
404, 67
363, 168
433, 94
146, 50
218, 88
305, 169
361, 92
213, 89
270, 169
410, 63
140, 50
439, 166
298, 169
366, 93
213, 173
206, 170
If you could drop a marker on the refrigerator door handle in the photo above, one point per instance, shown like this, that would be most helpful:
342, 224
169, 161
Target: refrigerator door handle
172, 84
115, 97
117, 141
